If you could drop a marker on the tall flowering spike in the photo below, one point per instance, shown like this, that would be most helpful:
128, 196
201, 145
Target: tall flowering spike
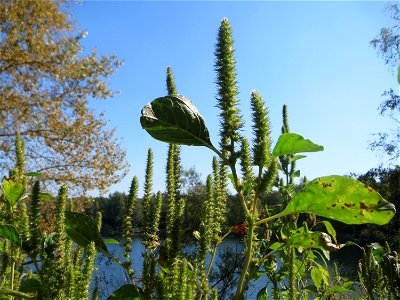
60, 222
170, 82
20, 165
171, 203
268, 178
178, 230
220, 198
157, 212
207, 225
231, 121
287, 164
24, 230
147, 190
177, 171
245, 160
262, 131
99, 219
34, 216
285, 127
128, 216
87, 269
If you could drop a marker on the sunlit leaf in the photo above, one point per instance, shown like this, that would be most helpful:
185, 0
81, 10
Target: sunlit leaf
305, 240
83, 229
12, 190
125, 292
342, 199
320, 276
377, 251
331, 231
45, 197
110, 242
297, 157
174, 119
10, 233
275, 246
343, 288
316, 240
291, 143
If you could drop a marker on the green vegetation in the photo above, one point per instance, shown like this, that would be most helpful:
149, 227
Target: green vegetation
278, 220
46, 81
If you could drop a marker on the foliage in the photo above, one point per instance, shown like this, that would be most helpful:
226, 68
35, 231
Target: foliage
59, 270
388, 45
386, 181
46, 83
336, 197
293, 257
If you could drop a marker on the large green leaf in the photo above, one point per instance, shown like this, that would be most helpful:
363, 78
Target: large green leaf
125, 292
342, 199
316, 240
174, 119
10, 233
291, 143
12, 190
83, 229
306, 240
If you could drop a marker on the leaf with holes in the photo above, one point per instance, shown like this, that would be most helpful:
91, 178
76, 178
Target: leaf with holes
174, 119
316, 240
305, 240
83, 229
291, 143
342, 199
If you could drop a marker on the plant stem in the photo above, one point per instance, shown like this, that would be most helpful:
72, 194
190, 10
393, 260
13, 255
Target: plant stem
250, 235
6, 291
266, 220
215, 250
212, 259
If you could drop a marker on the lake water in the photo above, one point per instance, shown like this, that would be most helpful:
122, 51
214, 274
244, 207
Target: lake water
111, 276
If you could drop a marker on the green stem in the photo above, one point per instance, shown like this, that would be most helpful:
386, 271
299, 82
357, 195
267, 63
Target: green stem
274, 217
292, 258
12, 270
239, 190
6, 291
212, 259
215, 250
250, 235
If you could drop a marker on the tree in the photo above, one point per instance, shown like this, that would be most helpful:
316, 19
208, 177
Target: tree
388, 45
46, 82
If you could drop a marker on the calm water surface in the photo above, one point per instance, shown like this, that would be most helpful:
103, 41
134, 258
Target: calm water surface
110, 275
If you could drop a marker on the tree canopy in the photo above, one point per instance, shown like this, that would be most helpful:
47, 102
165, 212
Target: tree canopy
46, 81
387, 42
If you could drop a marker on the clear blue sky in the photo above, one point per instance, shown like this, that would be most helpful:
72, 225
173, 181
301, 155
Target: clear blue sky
313, 56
